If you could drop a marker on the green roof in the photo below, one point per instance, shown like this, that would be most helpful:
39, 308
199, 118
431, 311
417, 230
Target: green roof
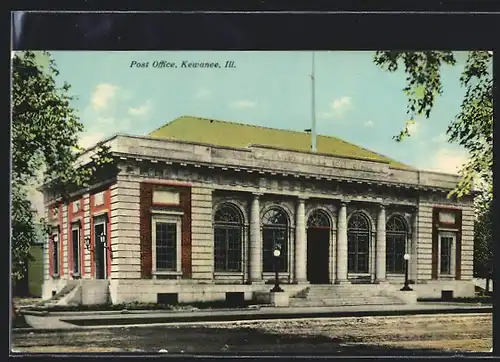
238, 135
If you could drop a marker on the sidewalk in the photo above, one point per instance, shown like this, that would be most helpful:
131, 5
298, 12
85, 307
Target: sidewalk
87, 320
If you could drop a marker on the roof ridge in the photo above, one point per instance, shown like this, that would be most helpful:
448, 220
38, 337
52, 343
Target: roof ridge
257, 126
281, 129
236, 123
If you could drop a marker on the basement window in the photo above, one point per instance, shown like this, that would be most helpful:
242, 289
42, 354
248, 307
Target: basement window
167, 298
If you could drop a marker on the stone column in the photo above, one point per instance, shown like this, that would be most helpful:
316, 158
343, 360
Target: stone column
300, 243
255, 257
342, 244
380, 247
413, 250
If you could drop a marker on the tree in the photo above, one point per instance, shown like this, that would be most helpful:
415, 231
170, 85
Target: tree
45, 132
471, 128
483, 255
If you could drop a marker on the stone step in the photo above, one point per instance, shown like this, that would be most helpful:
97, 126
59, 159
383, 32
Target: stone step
339, 295
296, 302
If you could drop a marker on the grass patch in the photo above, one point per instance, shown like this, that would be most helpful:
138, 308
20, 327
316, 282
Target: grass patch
479, 299
142, 306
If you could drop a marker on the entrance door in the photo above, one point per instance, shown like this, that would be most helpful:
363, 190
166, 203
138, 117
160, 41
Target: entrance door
318, 240
99, 252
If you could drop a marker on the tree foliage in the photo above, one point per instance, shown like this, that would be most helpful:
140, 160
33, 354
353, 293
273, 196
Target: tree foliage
483, 244
45, 132
472, 127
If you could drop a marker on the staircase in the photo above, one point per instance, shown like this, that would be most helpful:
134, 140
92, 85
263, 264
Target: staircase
331, 295
57, 299
77, 292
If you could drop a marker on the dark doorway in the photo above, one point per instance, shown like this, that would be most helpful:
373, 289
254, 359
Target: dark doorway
99, 252
318, 240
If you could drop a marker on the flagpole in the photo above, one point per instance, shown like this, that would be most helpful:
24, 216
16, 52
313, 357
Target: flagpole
313, 109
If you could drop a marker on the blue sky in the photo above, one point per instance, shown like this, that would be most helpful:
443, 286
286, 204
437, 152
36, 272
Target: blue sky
355, 100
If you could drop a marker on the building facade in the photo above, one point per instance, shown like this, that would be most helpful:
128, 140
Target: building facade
193, 221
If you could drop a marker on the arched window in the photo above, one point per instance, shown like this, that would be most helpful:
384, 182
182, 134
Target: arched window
396, 233
274, 231
318, 219
358, 243
228, 231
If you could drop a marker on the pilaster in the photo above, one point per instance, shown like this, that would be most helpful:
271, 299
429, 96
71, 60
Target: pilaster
380, 247
342, 244
255, 260
300, 243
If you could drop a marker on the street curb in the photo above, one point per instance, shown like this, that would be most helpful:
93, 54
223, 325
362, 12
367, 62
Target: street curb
34, 313
145, 321
128, 311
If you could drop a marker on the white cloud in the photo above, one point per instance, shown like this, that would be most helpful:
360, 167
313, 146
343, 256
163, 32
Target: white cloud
141, 110
337, 108
102, 95
369, 123
445, 160
203, 93
243, 104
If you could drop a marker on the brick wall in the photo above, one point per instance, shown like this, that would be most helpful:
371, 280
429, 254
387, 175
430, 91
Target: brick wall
146, 204
97, 210
435, 247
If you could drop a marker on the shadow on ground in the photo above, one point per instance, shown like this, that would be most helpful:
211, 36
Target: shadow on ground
187, 340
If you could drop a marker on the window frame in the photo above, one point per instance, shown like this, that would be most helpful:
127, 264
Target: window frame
451, 256
76, 227
100, 219
356, 233
56, 252
238, 226
168, 218
284, 265
394, 234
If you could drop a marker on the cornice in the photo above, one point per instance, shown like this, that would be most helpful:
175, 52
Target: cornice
273, 172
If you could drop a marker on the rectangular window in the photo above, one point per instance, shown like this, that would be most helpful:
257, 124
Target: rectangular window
395, 251
166, 245
357, 252
227, 253
75, 240
270, 237
166, 235
446, 254
55, 253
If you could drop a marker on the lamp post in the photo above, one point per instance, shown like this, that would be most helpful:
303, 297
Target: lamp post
406, 287
277, 254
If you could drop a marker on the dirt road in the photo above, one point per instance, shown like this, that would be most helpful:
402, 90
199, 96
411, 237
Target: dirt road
399, 334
